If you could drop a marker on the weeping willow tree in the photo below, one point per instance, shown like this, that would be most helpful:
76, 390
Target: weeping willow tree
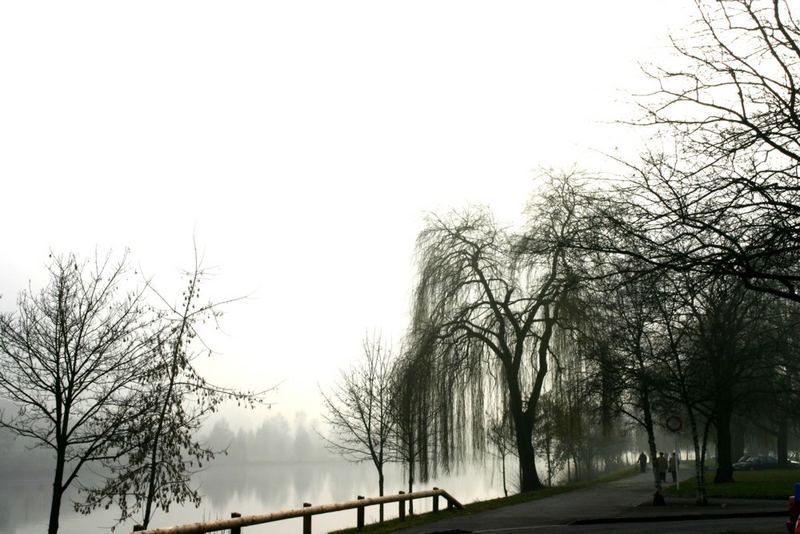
570, 403
485, 309
415, 420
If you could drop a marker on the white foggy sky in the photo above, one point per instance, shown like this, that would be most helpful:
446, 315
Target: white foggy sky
301, 142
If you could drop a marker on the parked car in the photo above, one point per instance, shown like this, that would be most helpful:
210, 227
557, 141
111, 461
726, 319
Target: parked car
750, 463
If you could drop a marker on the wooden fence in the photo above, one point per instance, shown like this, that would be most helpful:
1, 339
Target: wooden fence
238, 521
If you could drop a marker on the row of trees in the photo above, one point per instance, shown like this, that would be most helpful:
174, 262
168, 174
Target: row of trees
276, 439
100, 371
670, 290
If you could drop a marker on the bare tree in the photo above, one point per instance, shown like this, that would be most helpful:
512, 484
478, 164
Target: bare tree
686, 381
771, 408
501, 438
623, 321
165, 450
724, 197
729, 338
490, 301
71, 360
358, 410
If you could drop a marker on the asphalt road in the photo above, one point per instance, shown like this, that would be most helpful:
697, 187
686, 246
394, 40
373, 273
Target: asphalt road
763, 525
627, 499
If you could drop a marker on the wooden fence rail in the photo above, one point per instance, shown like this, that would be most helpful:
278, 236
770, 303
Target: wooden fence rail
237, 521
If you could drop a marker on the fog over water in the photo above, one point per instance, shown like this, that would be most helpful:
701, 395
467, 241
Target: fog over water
247, 489
279, 465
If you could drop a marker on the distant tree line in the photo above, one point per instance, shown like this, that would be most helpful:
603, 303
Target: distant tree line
276, 439
667, 292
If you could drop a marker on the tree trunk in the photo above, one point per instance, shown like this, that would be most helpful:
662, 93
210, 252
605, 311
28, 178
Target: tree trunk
523, 433
55, 501
380, 493
503, 468
737, 439
153, 470
783, 442
549, 466
174, 371
411, 486
528, 478
699, 464
724, 460
588, 461
658, 497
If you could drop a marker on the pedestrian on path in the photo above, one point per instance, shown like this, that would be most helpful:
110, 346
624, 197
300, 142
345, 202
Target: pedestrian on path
642, 462
661, 464
673, 467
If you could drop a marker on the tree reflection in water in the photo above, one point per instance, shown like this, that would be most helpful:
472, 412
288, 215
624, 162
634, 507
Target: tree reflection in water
244, 488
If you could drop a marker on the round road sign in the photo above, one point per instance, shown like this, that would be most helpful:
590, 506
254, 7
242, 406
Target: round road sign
674, 423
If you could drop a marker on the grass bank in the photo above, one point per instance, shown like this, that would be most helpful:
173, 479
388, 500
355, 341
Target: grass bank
766, 484
482, 506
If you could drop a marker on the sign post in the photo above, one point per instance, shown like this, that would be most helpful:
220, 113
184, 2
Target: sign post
675, 424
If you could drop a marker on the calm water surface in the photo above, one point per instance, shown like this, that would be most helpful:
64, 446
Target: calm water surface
247, 489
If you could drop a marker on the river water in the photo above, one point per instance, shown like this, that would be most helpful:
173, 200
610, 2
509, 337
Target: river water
247, 489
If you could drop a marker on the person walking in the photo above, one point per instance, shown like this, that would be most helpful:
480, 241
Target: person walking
661, 462
673, 467
642, 462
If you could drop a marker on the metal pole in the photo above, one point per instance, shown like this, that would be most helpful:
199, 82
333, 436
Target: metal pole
677, 464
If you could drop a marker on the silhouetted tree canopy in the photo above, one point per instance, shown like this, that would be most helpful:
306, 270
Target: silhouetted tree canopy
358, 410
717, 191
73, 360
164, 449
486, 306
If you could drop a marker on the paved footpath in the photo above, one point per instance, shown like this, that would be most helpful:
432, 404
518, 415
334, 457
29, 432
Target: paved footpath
625, 501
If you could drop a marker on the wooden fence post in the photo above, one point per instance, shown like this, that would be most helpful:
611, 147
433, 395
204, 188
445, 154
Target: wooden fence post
236, 530
306, 520
360, 514
402, 508
305, 512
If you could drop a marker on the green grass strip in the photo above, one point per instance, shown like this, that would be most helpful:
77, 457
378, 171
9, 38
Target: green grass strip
766, 484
